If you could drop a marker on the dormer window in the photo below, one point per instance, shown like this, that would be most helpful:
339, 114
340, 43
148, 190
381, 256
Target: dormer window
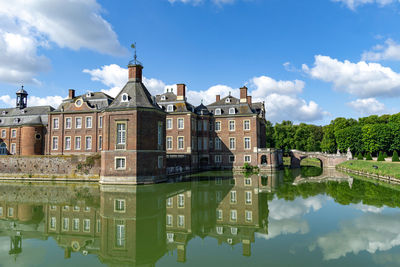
23, 111
217, 111
163, 97
16, 120
228, 100
88, 94
170, 108
124, 97
1, 121
232, 111
3, 112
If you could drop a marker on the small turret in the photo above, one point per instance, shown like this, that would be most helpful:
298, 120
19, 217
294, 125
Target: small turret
22, 98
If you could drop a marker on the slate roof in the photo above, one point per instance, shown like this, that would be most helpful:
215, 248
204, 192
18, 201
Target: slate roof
12, 117
138, 97
171, 99
97, 100
201, 110
233, 102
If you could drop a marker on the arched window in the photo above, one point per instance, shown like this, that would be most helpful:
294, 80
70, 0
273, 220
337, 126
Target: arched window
217, 111
3, 149
124, 97
232, 111
170, 108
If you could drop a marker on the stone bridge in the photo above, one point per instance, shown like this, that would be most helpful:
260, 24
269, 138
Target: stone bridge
327, 160
328, 174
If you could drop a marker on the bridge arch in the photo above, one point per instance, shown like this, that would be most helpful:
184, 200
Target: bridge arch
327, 160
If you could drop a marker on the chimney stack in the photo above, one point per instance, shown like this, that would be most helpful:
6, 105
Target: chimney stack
249, 100
243, 94
71, 93
181, 91
217, 98
135, 72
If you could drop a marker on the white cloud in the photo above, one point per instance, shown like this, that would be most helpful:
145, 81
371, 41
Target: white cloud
367, 106
361, 79
26, 26
389, 51
208, 96
371, 233
352, 4
115, 77
367, 208
266, 85
53, 101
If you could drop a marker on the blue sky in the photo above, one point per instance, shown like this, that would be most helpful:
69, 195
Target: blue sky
310, 61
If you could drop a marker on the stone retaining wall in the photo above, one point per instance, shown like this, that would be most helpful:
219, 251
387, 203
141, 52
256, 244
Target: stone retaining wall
384, 178
50, 166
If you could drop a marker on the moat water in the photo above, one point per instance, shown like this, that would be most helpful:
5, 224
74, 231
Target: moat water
307, 217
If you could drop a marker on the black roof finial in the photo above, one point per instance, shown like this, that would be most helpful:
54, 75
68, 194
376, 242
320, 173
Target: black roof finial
134, 61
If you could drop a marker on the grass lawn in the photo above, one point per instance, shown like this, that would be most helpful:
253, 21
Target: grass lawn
384, 168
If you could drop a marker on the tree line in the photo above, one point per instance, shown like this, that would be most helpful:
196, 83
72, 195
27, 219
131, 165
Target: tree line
366, 135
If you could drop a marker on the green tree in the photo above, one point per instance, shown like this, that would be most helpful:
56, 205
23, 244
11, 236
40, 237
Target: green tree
380, 157
328, 143
349, 137
368, 156
269, 131
395, 157
284, 135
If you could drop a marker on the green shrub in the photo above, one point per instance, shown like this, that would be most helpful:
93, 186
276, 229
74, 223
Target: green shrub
385, 155
360, 156
368, 156
395, 157
380, 156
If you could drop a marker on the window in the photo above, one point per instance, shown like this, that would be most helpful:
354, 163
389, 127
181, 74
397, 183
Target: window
121, 133
77, 208
170, 108
1, 211
10, 212
54, 145
219, 230
67, 143
217, 126
205, 143
88, 122
169, 220
124, 97
233, 215
87, 209
205, 125
217, 111
169, 124
247, 144
77, 142
170, 202
180, 123
199, 125
55, 123
101, 122
98, 226
218, 159
120, 234
231, 159
247, 181
163, 97
88, 142
65, 224
217, 143
13, 133
120, 163
232, 143
78, 102
249, 216
231, 125
228, 100
160, 135
13, 149
86, 225
181, 142
119, 205
68, 123
248, 197
3, 134
232, 111
181, 220
219, 215
52, 223
100, 142
160, 162
246, 125
233, 197
181, 200
247, 158
75, 224
169, 142
65, 208
210, 143
218, 181
78, 123
53, 207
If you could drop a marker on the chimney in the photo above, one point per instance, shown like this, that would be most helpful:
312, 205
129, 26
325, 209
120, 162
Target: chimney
71, 93
243, 94
181, 91
135, 72
249, 100
217, 98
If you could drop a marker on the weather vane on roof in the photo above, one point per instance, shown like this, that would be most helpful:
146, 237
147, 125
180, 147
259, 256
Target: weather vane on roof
135, 61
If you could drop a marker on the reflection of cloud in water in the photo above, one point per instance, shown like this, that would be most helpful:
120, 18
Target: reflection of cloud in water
285, 216
370, 232
366, 208
31, 255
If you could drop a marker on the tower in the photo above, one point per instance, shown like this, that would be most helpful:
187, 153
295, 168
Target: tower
22, 98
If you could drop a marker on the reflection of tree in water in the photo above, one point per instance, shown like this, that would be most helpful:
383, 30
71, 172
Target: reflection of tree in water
361, 191
311, 171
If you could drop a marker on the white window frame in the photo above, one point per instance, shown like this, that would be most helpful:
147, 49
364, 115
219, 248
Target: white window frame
217, 126
53, 223
118, 209
121, 134
181, 221
100, 145
218, 143
232, 111
248, 216
181, 201
88, 122
170, 108
183, 143
124, 97
101, 122
78, 126
217, 158
244, 125
230, 143
231, 123
13, 133
3, 134
170, 142
122, 167
169, 220
13, 148
66, 143
88, 137
219, 215
247, 158
247, 181
56, 123
181, 127
247, 147
233, 216
54, 145
233, 197
76, 143
217, 111
248, 197
86, 225
65, 224
68, 125
169, 124
74, 220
